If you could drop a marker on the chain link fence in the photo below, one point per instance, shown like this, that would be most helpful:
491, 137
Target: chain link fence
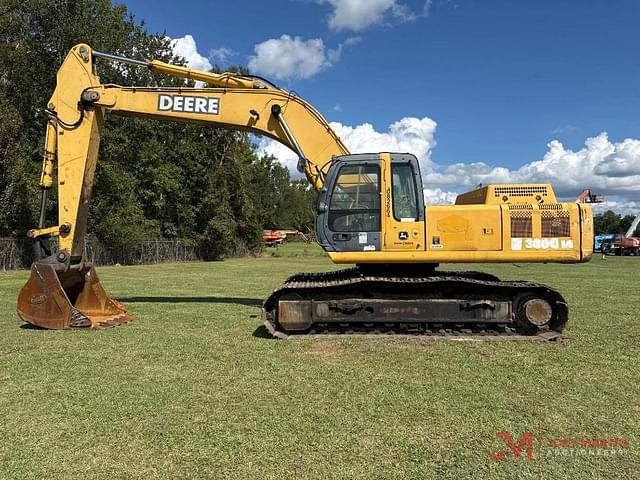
19, 254
14, 253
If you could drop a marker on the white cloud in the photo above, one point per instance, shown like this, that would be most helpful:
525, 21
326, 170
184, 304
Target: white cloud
609, 168
617, 204
352, 41
283, 154
287, 57
436, 196
466, 175
357, 15
565, 129
410, 134
221, 54
404, 13
624, 161
413, 135
186, 47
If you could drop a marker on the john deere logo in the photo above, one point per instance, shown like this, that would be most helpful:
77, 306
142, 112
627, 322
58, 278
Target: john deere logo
403, 236
184, 103
37, 299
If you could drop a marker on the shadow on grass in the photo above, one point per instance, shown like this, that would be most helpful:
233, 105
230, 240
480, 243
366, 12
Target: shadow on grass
29, 326
249, 302
262, 332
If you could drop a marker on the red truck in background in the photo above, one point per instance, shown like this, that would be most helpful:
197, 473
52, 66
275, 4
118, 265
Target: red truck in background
621, 245
272, 238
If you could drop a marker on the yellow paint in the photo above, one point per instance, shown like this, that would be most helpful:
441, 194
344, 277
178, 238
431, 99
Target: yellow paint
508, 193
465, 227
437, 256
395, 230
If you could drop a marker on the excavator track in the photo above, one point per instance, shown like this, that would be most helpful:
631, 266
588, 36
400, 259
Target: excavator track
454, 305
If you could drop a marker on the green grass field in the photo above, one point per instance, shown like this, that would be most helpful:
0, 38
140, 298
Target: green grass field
188, 390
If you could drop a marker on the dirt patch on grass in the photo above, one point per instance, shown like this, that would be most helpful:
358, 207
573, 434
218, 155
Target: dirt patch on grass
323, 350
406, 342
328, 350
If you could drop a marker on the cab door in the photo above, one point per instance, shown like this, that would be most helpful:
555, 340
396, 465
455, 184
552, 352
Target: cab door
403, 199
349, 206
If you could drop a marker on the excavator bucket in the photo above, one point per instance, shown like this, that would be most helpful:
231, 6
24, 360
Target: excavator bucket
71, 299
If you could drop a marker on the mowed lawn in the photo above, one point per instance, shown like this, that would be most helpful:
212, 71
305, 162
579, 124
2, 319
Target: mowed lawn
191, 390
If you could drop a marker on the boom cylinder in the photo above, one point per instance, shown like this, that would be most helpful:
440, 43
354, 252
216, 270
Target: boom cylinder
118, 58
157, 66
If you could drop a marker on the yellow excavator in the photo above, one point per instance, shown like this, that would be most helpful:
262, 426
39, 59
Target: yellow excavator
370, 213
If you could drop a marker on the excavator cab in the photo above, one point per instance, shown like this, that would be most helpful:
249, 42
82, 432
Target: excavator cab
371, 203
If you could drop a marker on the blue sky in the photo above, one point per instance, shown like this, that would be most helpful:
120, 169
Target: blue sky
502, 79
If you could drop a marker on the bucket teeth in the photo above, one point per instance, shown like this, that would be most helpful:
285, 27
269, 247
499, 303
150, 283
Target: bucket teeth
74, 299
78, 320
112, 322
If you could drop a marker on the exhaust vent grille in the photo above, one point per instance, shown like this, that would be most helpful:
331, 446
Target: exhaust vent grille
522, 191
521, 221
555, 221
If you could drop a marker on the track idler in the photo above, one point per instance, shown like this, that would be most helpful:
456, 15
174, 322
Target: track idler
59, 296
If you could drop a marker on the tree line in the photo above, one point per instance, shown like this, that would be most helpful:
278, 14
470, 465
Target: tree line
612, 222
154, 179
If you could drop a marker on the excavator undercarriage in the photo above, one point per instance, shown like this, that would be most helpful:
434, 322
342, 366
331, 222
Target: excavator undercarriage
456, 303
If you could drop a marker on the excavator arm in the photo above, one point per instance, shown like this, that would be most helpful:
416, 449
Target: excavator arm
76, 119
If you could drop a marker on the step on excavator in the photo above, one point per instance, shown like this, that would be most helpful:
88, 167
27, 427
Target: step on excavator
370, 213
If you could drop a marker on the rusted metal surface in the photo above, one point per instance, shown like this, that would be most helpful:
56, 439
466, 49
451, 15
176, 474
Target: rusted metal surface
538, 311
300, 315
68, 299
296, 315
456, 305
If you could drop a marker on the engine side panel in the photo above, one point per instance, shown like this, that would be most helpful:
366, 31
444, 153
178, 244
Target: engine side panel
558, 232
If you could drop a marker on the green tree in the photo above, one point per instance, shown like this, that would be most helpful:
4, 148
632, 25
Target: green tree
611, 222
607, 222
282, 203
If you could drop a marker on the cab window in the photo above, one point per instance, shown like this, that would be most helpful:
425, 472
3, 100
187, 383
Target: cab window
355, 201
405, 197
